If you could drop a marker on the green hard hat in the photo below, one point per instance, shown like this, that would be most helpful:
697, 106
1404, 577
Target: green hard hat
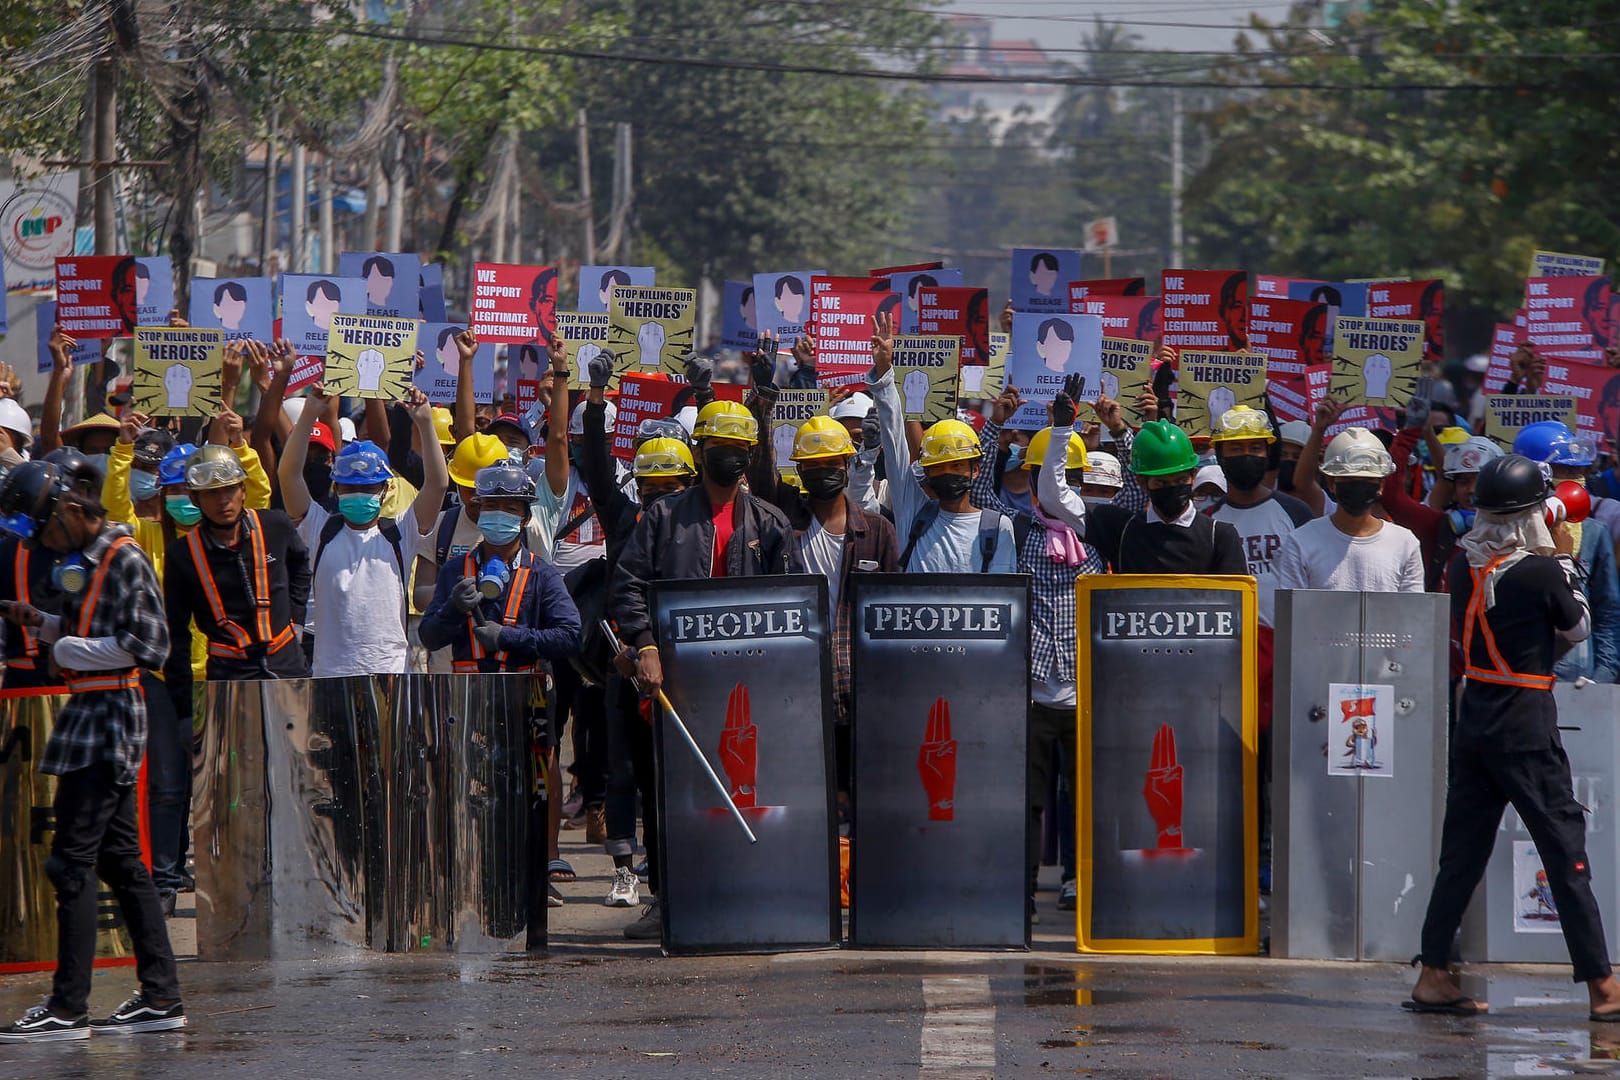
1162, 449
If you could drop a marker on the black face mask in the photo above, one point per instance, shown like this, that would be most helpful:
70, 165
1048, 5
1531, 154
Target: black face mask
1285, 477
948, 487
1244, 471
1356, 496
1171, 502
725, 465
824, 485
652, 495
318, 479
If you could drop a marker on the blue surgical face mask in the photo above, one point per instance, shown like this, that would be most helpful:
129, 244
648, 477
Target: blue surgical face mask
182, 509
359, 508
499, 527
142, 486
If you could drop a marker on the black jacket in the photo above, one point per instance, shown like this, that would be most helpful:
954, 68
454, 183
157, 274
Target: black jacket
674, 540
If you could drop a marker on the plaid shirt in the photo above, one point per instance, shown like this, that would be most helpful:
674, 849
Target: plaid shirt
110, 725
1132, 496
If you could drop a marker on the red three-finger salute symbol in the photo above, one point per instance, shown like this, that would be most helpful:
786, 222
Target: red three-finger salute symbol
739, 748
936, 763
1162, 788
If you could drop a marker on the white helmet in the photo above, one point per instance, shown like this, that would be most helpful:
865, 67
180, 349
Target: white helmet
346, 429
687, 418
576, 421
14, 418
1356, 453
1297, 432
854, 407
1470, 455
1103, 470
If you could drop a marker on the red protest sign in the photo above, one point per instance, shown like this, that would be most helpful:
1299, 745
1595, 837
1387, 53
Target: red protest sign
1273, 285
95, 296
961, 312
307, 371
914, 268
1289, 333
1206, 309
1596, 391
654, 397
1122, 316
1125, 286
514, 304
1505, 341
841, 324
1289, 398
1569, 317
1420, 300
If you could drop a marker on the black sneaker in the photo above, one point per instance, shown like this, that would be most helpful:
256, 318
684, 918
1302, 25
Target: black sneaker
166, 901
650, 927
137, 1015
554, 896
39, 1024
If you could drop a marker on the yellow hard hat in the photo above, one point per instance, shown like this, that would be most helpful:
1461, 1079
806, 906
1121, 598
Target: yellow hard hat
441, 427
664, 457
1242, 422
1035, 454
475, 452
1453, 436
726, 420
948, 440
822, 437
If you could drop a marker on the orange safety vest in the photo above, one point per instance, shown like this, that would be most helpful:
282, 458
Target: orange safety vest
1499, 673
29, 660
259, 592
100, 680
509, 617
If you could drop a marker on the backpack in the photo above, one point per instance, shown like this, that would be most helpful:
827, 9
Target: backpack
587, 584
335, 525
989, 534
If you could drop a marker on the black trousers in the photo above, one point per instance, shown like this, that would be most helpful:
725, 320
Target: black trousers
1051, 745
588, 707
632, 771
97, 835
1538, 785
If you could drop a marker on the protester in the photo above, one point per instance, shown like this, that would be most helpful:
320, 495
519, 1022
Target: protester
1292, 435
110, 625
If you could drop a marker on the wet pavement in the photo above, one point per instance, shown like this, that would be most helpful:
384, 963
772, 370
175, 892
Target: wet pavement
598, 1007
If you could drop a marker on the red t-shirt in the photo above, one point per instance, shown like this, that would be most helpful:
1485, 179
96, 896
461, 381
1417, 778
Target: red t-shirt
723, 528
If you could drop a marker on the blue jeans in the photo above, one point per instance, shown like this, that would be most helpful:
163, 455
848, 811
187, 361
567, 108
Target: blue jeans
168, 784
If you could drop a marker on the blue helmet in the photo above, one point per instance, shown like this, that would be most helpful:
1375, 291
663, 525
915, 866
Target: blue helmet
172, 469
361, 462
1552, 442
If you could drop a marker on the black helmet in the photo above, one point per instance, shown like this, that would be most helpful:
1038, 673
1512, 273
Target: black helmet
28, 497
76, 469
151, 446
1510, 484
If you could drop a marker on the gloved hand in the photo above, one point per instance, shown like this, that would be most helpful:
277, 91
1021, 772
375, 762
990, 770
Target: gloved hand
1063, 405
464, 594
489, 636
1417, 409
600, 369
762, 361
871, 432
699, 372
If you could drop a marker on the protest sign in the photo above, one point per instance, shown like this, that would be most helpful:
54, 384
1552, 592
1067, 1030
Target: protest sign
654, 396
1081, 290
1377, 361
242, 307
1556, 264
986, 380
513, 304
1596, 391
908, 283
88, 350
1127, 371
841, 323
739, 328
793, 408
651, 328
925, 367
1420, 300
1212, 382
37, 228
370, 356
1273, 286
586, 334
393, 281
1206, 309
1288, 396
1505, 341
441, 364
95, 295
1569, 317
431, 300
1040, 279
1341, 298
782, 303
1506, 414
1288, 333
154, 291
962, 312
909, 268
596, 284
1122, 316
1046, 349
308, 302
177, 371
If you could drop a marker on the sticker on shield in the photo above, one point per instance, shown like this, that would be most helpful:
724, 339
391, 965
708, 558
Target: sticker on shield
1362, 742
1534, 909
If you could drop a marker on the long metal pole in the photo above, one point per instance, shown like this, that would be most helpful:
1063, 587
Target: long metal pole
1175, 178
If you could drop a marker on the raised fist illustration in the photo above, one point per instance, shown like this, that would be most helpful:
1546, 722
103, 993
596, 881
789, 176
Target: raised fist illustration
1377, 372
936, 763
1110, 385
782, 438
914, 387
368, 368
1162, 788
739, 748
650, 340
1220, 401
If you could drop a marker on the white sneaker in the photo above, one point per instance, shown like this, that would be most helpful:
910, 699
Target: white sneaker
626, 891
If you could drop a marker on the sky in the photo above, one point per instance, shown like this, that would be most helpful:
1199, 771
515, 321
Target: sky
1181, 24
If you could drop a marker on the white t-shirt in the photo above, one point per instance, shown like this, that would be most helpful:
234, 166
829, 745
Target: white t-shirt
1318, 556
586, 542
356, 585
823, 554
1262, 530
950, 545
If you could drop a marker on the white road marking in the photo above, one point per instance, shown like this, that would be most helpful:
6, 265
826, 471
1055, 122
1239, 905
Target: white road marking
959, 1027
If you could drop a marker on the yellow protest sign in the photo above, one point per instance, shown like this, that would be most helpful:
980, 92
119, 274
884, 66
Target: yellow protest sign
370, 356
988, 380
586, 335
1561, 264
1507, 414
1127, 371
177, 371
652, 328
925, 371
1213, 382
1376, 361
793, 408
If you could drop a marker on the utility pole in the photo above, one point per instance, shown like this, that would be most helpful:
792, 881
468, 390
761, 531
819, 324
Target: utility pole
396, 192
1175, 178
268, 235
328, 261
585, 189
104, 153
298, 211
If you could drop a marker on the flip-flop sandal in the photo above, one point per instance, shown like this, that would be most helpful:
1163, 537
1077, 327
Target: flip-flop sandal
1605, 1018
559, 870
1462, 1006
